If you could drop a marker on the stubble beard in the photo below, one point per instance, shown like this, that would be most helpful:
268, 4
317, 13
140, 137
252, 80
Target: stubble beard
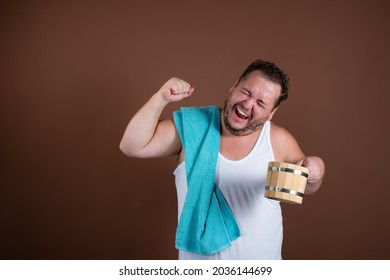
252, 126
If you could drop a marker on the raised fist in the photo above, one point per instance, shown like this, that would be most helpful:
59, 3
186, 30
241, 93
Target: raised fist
175, 90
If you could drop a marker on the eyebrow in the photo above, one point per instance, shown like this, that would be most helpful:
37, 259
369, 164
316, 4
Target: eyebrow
250, 94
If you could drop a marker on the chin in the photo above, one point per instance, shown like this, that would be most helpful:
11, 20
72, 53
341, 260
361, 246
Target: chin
242, 131
248, 129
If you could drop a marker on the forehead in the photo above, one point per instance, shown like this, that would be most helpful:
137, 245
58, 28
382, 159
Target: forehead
259, 84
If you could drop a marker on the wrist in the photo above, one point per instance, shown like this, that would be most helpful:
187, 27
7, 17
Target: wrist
158, 101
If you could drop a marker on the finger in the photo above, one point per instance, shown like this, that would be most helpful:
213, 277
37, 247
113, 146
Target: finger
176, 88
184, 88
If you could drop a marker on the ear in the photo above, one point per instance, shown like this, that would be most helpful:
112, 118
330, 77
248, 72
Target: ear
272, 113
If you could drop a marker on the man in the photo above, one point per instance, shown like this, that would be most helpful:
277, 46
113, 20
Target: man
247, 142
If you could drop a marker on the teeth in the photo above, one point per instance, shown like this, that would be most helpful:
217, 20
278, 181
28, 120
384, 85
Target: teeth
242, 112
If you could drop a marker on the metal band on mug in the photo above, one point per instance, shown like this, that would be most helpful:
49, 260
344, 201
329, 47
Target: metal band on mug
289, 170
279, 189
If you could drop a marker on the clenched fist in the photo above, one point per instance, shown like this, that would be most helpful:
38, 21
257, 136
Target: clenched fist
175, 90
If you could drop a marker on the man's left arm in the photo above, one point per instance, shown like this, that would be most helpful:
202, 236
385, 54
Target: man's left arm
286, 149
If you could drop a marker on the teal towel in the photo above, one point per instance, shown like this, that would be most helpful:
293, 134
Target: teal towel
206, 224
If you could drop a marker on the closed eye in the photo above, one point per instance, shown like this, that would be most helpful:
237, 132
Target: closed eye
259, 103
245, 92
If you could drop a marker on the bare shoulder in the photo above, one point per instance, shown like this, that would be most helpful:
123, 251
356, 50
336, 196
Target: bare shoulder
279, 132
284, 144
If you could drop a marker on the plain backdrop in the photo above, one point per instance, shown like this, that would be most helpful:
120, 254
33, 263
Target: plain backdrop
74, 72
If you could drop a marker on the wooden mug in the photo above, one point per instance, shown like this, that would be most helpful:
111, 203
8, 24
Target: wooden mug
286, 182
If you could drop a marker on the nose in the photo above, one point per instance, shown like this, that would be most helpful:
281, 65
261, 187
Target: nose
249, 103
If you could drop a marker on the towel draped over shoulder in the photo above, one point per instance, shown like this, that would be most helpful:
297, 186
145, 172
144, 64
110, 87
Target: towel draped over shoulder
206, 224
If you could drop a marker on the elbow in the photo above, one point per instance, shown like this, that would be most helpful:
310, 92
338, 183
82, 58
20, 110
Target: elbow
129, 151
125, 149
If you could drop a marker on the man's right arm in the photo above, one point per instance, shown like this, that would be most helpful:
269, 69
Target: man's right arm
148, 136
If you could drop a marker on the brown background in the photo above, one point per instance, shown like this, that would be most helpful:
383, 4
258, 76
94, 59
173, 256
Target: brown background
72, 75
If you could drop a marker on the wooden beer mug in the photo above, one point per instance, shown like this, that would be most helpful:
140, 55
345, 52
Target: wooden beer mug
286, 182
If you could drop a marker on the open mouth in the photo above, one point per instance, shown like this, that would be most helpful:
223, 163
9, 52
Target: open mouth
241, 114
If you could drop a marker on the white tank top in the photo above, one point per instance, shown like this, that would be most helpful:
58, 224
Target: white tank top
242, 183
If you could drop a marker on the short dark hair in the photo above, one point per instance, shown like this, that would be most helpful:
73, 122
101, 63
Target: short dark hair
273, 73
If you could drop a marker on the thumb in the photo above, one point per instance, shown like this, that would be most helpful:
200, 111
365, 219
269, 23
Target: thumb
301, 162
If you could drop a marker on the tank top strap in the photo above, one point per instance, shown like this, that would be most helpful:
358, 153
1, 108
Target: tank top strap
263, 143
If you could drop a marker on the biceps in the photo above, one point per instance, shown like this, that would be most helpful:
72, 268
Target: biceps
294, 153
286, 148
165, 141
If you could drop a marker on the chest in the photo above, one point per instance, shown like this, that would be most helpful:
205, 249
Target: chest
237, 147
